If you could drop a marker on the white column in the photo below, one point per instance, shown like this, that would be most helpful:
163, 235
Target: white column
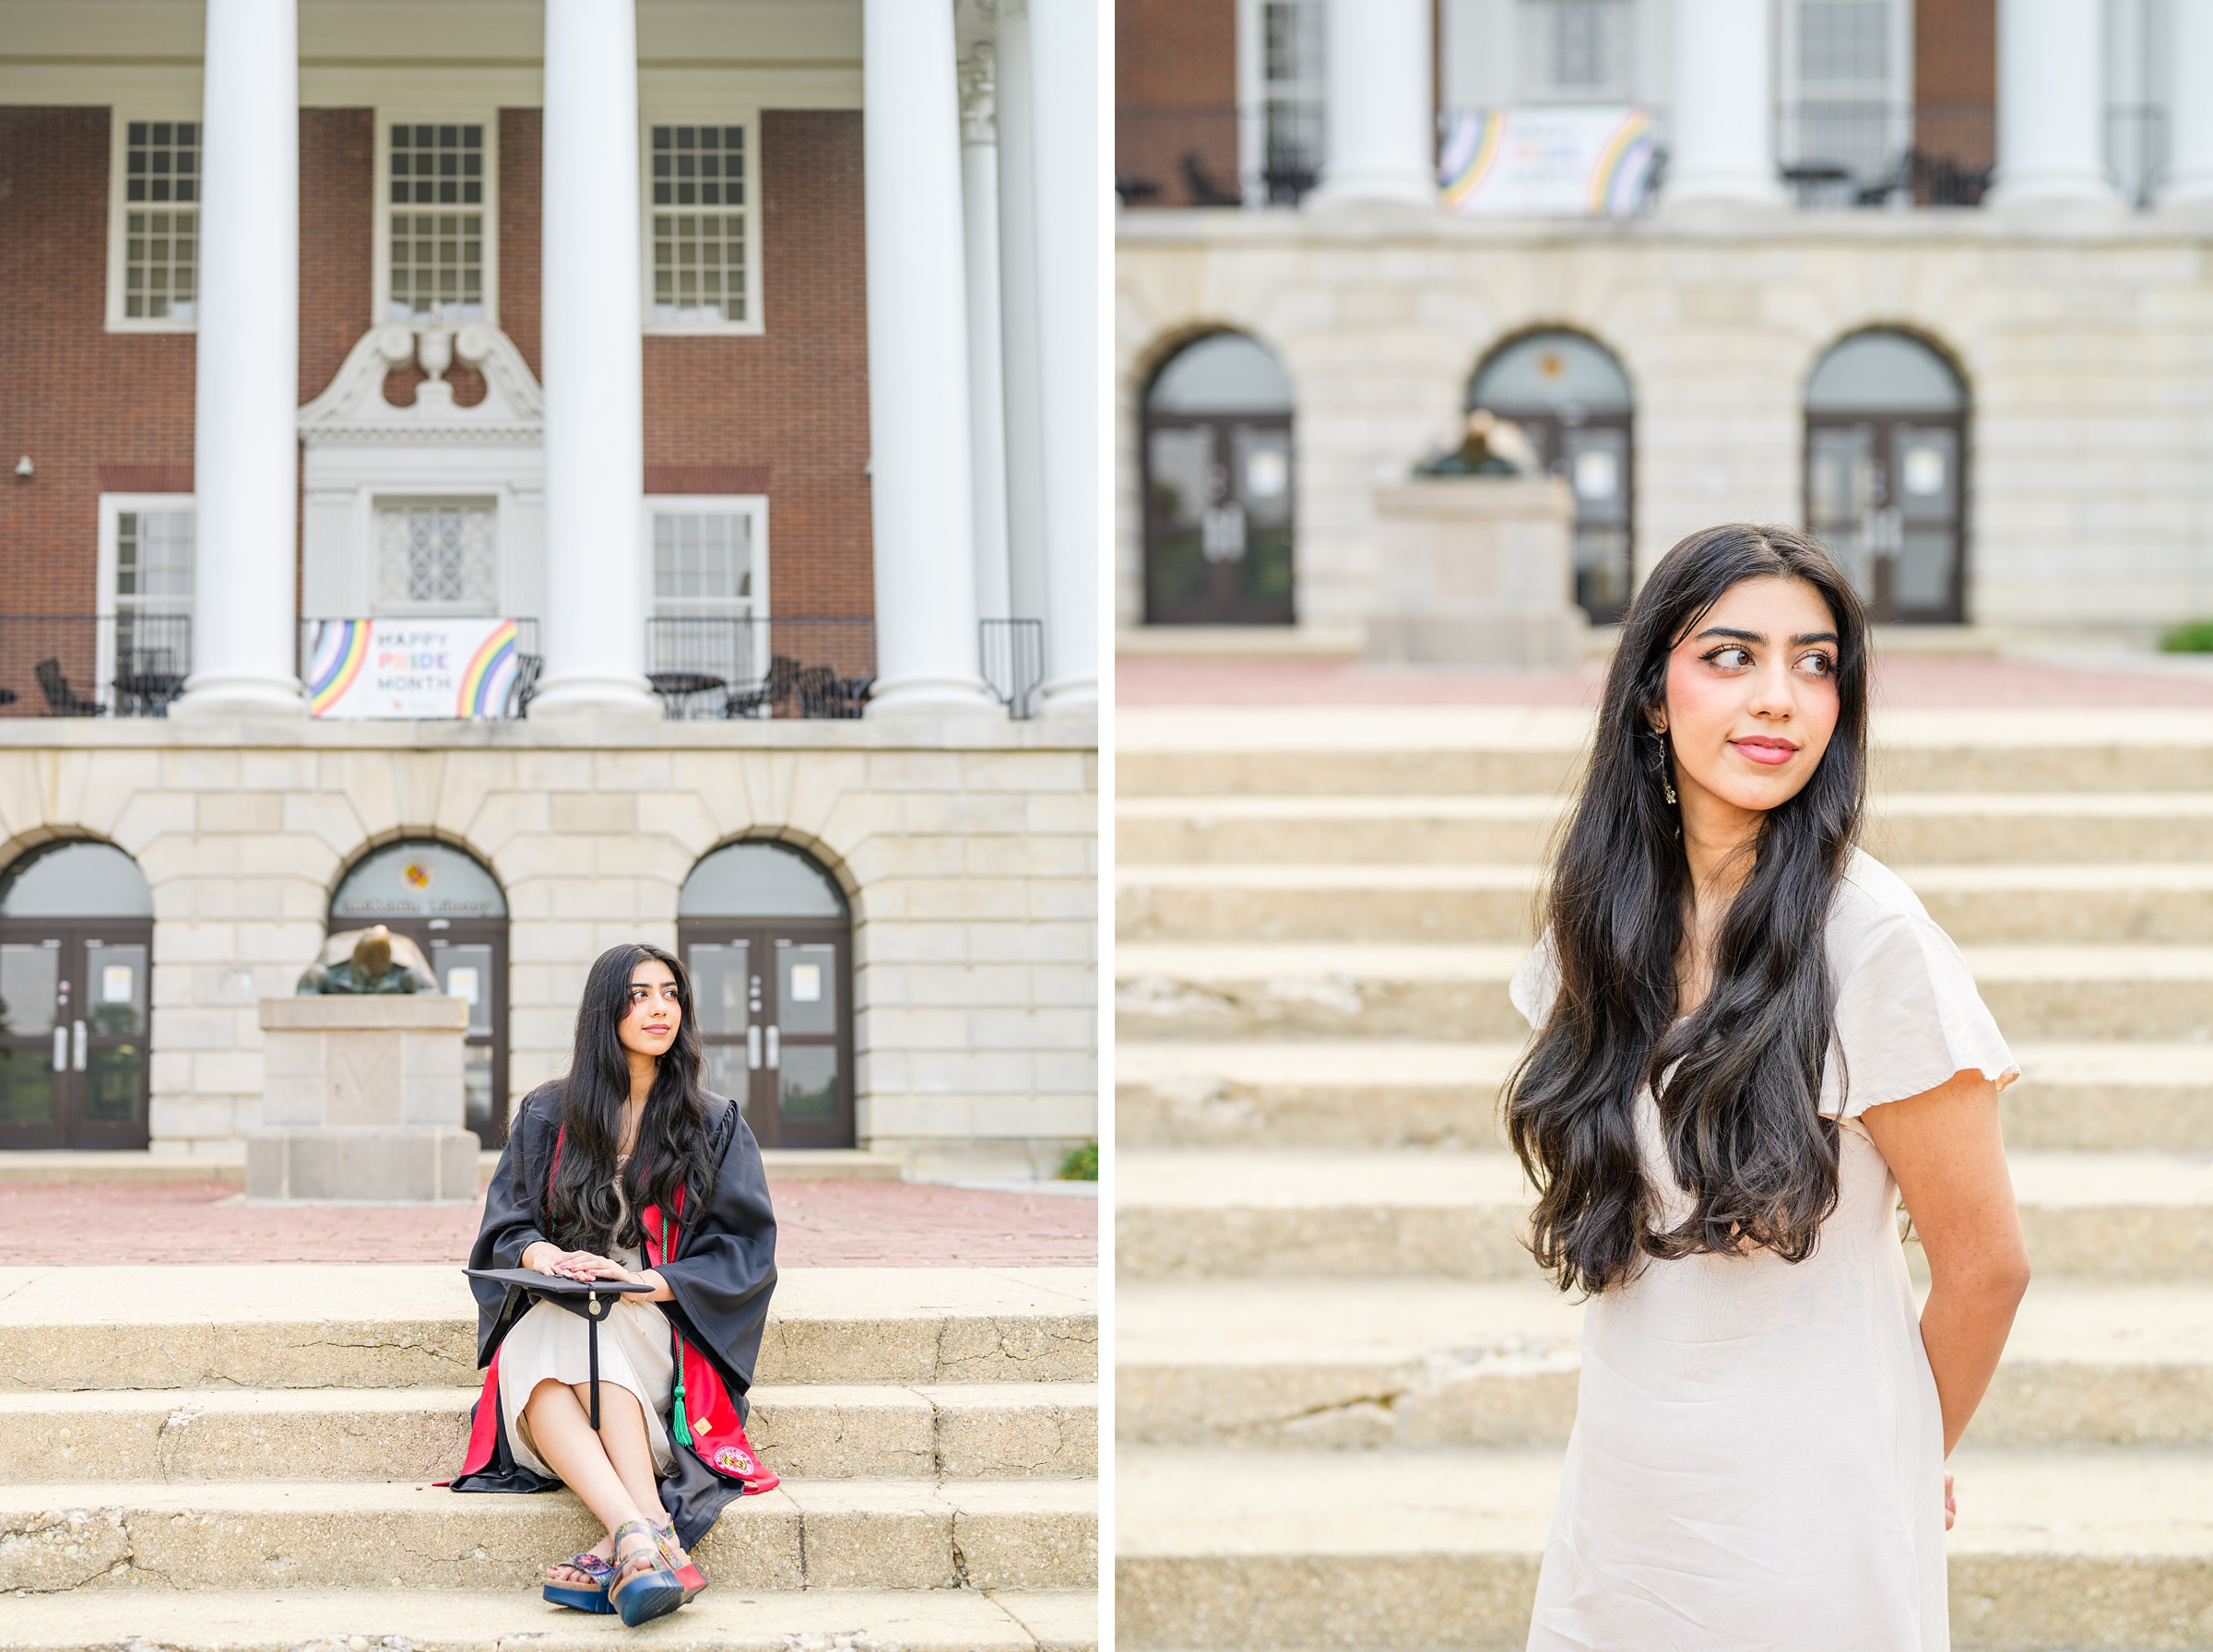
921, 488
986, 387
595, 619
2190, 107
1018, 316
1720, 138
1382, 136
1071, 195
245, 441
2052, 103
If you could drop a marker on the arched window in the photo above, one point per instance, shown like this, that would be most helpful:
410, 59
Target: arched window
1572, 398
767, 937
447, 903
1217, 481
1885, 446
77, 933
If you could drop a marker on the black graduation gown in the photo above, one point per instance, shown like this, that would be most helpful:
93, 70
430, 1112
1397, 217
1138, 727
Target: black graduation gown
722, 1277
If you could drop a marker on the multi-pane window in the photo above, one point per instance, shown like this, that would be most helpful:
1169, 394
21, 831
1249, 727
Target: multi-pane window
437, 224
160, 221
435, 556
697, 217
153, 579
703, 562
1575, 51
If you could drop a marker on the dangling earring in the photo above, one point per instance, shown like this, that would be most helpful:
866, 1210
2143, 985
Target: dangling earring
1668, 786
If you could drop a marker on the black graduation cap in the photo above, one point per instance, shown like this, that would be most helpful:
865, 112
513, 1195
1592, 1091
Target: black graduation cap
592, 1299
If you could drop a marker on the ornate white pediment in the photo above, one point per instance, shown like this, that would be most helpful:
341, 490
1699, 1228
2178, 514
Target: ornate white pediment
353, 411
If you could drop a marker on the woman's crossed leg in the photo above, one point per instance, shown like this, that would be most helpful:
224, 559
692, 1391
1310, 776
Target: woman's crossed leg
611, 1470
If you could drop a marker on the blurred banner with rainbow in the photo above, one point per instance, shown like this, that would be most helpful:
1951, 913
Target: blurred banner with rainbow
462, 668
1546, 162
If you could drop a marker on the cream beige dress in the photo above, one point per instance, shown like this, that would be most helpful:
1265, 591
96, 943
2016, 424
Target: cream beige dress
550, 1342
1758, 1457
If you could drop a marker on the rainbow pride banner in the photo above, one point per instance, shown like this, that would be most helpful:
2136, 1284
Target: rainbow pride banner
362, 668
1545, 162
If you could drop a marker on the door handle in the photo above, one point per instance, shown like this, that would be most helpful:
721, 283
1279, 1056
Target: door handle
773, 1040
752, 1048
61, 1049
78, 1046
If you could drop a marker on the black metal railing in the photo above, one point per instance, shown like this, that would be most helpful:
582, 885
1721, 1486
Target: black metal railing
1013, 659
1867, 152
1194, 155
529, 661
125, 664
708, 666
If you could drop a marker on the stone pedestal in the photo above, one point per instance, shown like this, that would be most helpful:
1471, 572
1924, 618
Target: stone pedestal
1475, 571
361, 1099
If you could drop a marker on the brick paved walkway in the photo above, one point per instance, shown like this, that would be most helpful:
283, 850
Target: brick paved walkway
1903, 681
820, 1224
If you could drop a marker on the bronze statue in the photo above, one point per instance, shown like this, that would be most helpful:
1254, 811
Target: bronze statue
368, 960
1489, 446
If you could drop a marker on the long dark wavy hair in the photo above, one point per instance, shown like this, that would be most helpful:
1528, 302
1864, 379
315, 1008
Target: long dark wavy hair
1740, 1109
671, 1149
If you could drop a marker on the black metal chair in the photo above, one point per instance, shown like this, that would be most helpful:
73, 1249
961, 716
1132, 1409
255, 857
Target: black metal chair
520, 692
764, 697
824, 693
62, 701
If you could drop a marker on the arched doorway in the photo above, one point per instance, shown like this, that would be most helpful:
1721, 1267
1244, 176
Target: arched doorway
768, 939
1218, 482
1886, 451
1569, 394
447, 903
76, 934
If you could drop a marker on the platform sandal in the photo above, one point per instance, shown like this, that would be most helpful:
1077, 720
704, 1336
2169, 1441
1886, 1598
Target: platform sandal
687, 1570
583, 1596
643, 1587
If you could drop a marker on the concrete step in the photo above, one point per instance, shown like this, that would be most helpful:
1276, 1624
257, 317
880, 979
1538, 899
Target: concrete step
1431, 1362
884, 1534
1188, 989
45, 1166
405, 1327
2057, 1548
386, 1620
1903, 828
2157, 904
1384, 1093
2143, 1217
1465, 751
832, 1431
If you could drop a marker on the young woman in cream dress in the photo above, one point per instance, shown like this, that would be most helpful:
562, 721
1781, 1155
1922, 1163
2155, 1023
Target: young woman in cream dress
1752, 1040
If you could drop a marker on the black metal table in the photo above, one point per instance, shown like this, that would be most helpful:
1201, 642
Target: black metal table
149, 692
678, 688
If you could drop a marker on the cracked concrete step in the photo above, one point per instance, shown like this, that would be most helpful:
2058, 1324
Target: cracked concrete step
964, 1430
1188, 989
894, 1534
2155, 903
1904, 828
401, 1327
1400, 750
2143, 1217
1386, 1093
722, 1619
1425, 1362
2056, 1546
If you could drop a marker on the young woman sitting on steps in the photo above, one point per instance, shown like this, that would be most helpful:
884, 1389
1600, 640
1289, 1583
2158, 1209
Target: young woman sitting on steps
627, 1171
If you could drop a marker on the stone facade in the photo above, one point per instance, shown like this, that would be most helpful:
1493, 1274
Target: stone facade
967, 848
2083, 340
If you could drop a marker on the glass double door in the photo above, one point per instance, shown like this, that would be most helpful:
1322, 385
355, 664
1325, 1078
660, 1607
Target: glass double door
775, 1018
74, 1012
1884, 495
1218, 497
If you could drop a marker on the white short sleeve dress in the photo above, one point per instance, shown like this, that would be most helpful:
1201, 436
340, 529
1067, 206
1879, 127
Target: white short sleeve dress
1758, 1457
550, 1342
